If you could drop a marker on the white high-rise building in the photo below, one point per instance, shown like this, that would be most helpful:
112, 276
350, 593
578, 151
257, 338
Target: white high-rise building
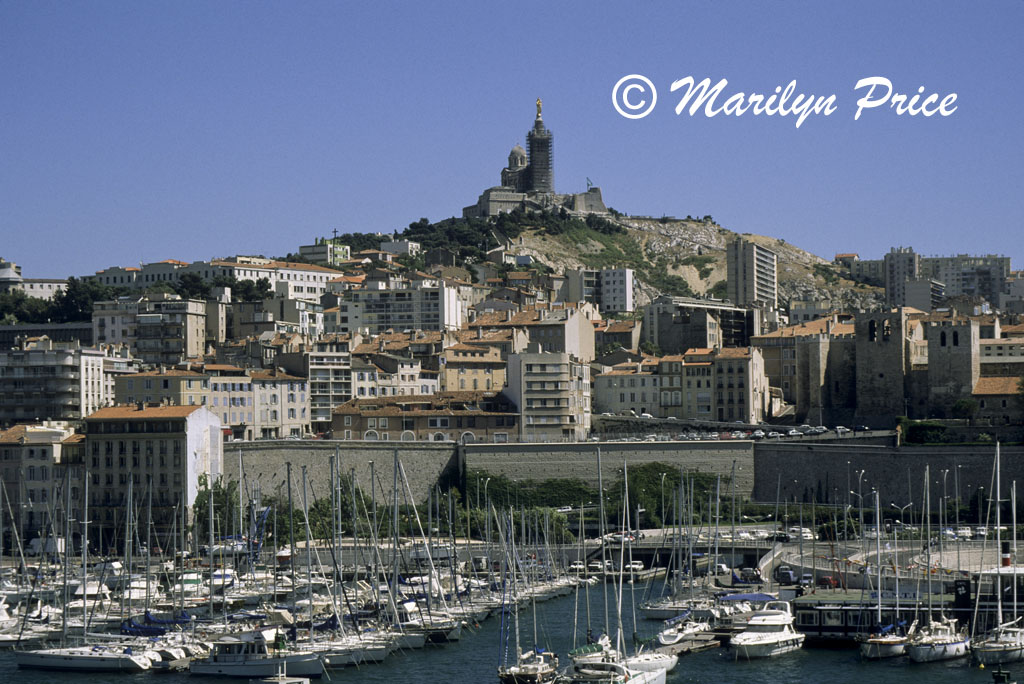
752, 274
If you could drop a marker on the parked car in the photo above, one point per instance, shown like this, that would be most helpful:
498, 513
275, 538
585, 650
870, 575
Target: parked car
841, 430
783, 537
774, 435
828, 582
795, 433
646, 415
861, 428
577, 566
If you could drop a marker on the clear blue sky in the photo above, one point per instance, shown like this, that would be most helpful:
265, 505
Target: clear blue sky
140, 131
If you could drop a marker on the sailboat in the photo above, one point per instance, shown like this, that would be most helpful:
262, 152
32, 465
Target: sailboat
939, 639
591, 663
1005, 643
888, 641
86, 658
536, 665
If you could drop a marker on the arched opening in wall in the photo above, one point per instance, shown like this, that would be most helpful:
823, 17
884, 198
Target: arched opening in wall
942, 338
467, 438
956, 338
439, 437
408, 436
371, 436
872, 331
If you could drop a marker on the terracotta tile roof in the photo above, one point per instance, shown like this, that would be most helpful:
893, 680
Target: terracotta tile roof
13, 435
273, 375
131, 411
846, 255
816, 327
427, 404
996, 386
699, 350
734, 353
621, 326
170, 373
74, 439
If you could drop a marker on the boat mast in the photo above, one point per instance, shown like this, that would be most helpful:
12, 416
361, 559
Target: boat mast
604, 559
928, 537
999, 545
209, 553
85, 555
878, 553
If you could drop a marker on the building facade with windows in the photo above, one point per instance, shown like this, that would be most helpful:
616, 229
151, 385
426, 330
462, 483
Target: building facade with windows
45, 380
445, 416
159, 449
551, 391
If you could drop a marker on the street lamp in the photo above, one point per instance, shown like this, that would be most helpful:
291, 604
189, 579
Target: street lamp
901, 509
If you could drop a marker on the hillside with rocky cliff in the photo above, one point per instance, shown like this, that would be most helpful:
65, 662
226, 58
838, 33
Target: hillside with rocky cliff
687, 256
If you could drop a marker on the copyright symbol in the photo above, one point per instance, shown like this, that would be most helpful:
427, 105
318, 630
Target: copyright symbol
630, 96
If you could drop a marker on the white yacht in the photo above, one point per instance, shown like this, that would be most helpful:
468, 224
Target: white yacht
1005, 644
886, 644
938, 640
681, 628
603, 672
84, 659
768, 633
247, 655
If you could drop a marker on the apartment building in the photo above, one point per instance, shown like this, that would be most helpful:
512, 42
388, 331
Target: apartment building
173, 387
630, 389
614, 290
752, 274
304, 281
382, 375
676, 324
327, 365
552, 329
33, 460
330, 251
281, 405
390, 302
45, 380
472, 367
551, 390
160, 449
160, 328
446, 416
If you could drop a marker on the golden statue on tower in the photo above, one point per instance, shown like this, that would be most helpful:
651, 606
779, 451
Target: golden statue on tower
538, 107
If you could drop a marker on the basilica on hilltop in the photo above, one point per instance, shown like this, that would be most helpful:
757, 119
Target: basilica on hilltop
528, 182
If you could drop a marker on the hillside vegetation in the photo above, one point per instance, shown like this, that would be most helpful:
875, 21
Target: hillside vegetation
671, 256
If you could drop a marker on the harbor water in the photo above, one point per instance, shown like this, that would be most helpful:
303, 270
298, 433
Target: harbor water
475, 658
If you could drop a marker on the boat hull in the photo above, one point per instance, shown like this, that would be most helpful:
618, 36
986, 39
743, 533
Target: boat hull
999, 653
56, 659
877, 649
748, 650
931, 651
299, 665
